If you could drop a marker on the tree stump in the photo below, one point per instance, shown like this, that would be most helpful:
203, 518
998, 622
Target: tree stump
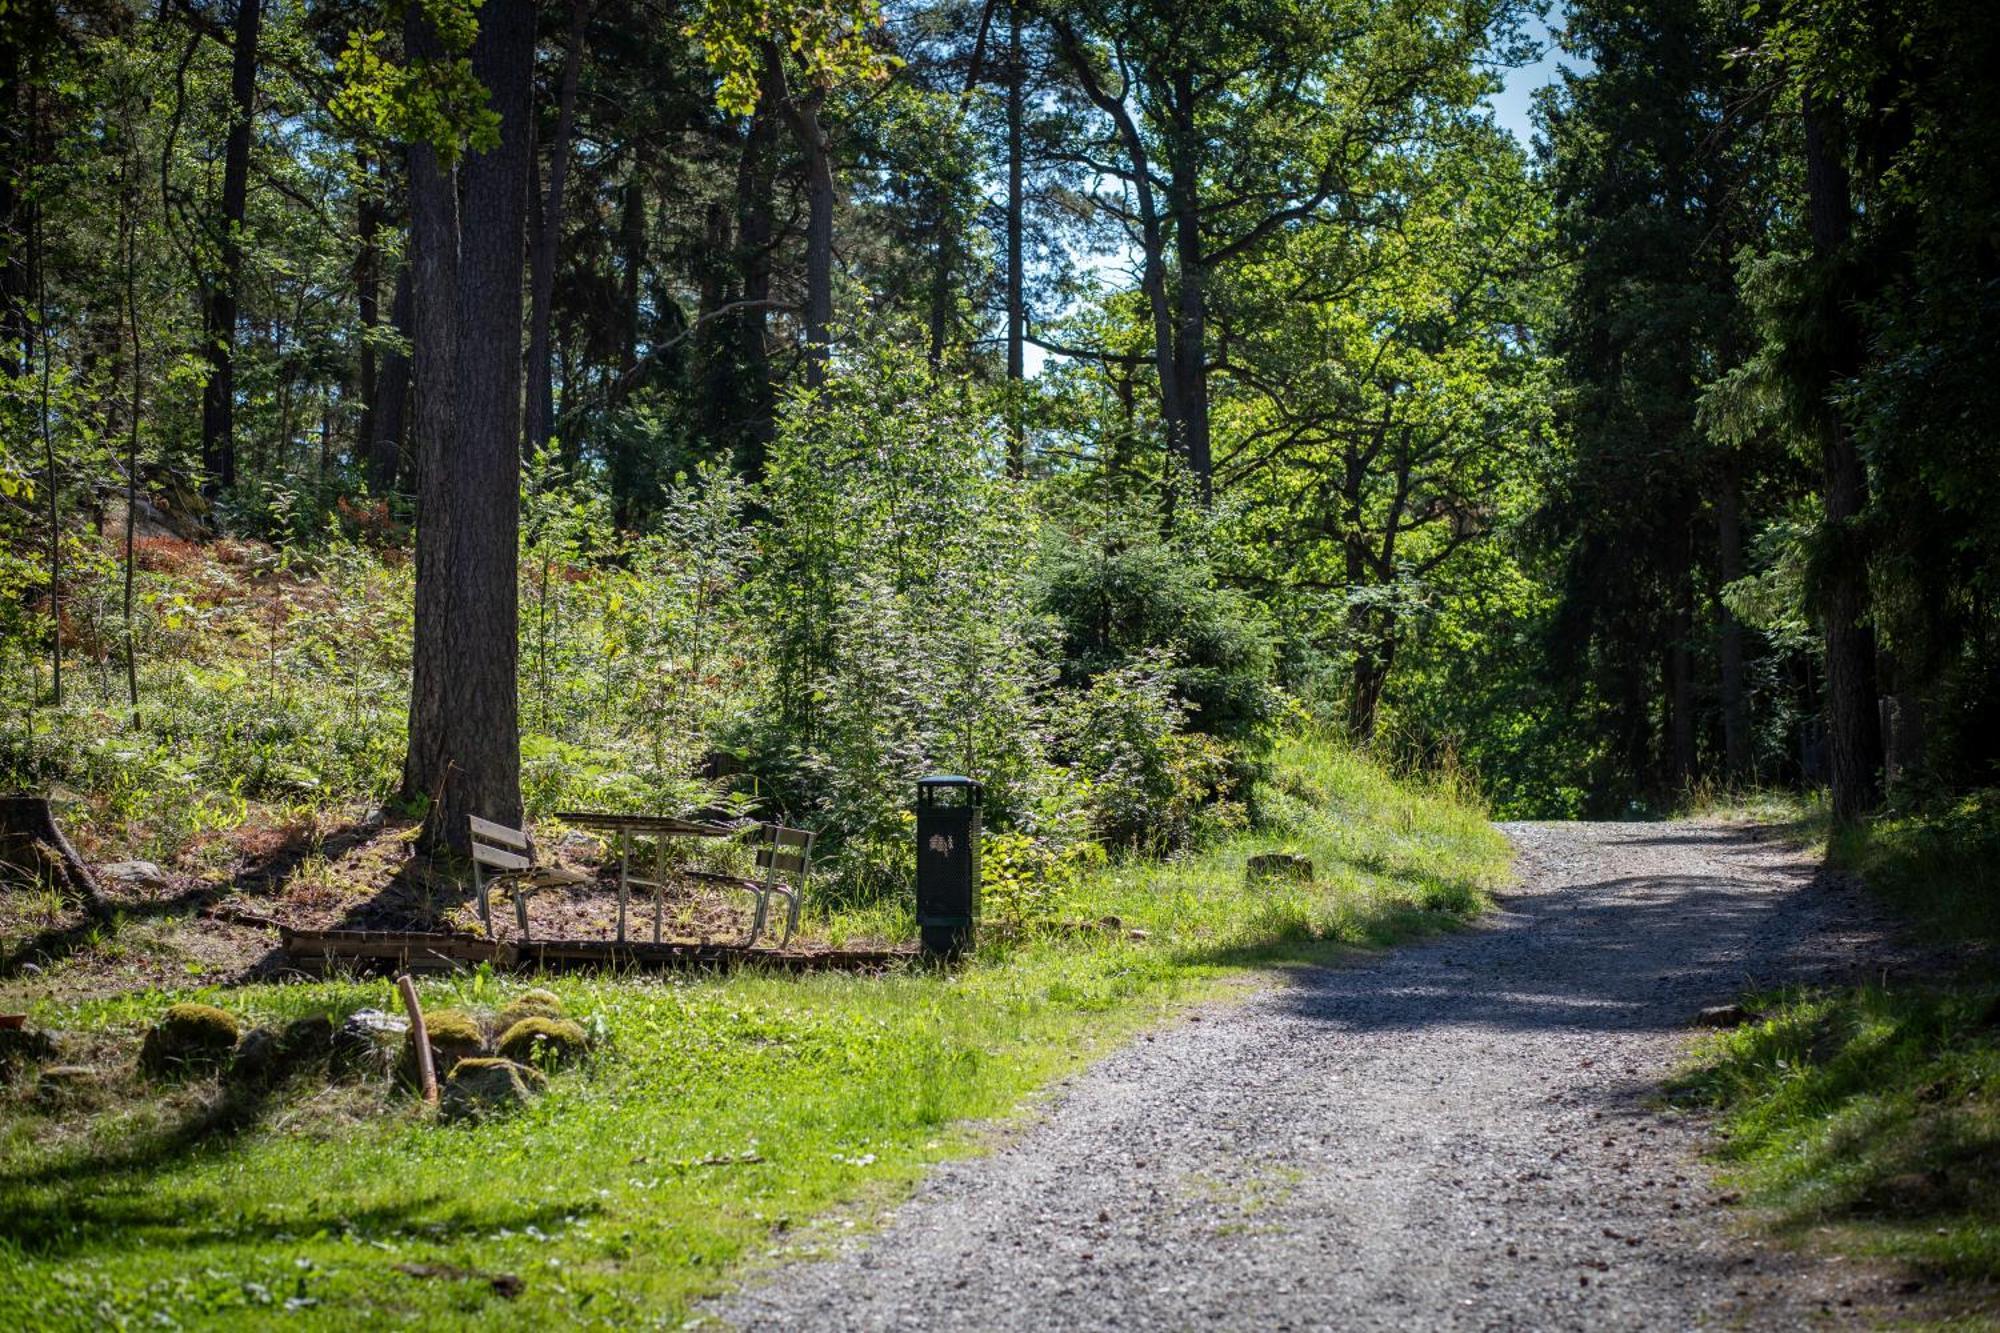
33, 844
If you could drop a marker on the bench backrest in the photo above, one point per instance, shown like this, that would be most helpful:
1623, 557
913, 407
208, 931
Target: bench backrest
784, 853
498, 846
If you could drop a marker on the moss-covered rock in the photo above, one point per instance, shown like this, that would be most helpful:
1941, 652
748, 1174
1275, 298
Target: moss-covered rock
483, 1086
455, 1036
544, 1042
189, 1039
536, 1003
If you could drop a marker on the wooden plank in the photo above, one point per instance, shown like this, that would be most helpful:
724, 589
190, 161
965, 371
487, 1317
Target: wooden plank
500, 833
644, 825
500, 860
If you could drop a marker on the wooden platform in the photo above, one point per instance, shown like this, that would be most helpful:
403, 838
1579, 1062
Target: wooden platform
442, 951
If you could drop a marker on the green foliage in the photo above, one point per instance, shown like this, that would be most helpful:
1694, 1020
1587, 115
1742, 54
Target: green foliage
1122, 598
1871, 1113
1149, 785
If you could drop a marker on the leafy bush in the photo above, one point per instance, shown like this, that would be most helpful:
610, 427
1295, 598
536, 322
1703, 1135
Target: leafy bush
1121, 595
1151, 787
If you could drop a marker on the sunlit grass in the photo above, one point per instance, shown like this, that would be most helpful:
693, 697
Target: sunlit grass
725, 1115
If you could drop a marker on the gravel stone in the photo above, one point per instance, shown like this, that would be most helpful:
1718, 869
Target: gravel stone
1464, 1133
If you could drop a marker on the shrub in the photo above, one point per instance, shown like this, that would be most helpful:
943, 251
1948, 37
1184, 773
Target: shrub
1150, 786
1123, 597
189, 1039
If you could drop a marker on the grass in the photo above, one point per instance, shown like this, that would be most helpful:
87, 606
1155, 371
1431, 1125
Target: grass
1872, 1114
729, 1120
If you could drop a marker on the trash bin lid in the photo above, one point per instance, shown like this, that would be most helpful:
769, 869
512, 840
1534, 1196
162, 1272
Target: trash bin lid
945, 780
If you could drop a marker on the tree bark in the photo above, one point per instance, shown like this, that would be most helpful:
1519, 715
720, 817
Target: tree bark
368, 303
1190, 296
464, 707
753, 257
1736, 757
801, 111
218, 398
386, 451
540, 418
17, 329
1853, 723
32, 842
1017, 319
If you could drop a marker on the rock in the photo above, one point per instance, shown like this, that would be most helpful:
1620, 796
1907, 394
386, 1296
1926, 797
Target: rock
485, 1086
68, 1087
1724, 1016
544, 1042
23, 1048
258, 1061
455, 1035
1277, 865
188, 1039
536, 1003
134, 875
366, 1041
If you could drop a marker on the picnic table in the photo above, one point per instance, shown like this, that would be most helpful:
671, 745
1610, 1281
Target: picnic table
657, 827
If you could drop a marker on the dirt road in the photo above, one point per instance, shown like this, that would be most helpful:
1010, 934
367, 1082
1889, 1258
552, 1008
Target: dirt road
1459, 1134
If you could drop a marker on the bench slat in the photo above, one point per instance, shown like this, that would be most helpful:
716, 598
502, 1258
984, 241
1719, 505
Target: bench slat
500, 833
499, 859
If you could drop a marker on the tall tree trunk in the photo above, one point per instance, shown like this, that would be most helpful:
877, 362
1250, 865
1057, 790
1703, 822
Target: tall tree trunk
540, 419
754, 175
218, 398
632, 262
386, 451
1680, 683
801, 111
1017, 320
464, 706
368, 302
17, 337
1190, 295
1853, 723
1730, 634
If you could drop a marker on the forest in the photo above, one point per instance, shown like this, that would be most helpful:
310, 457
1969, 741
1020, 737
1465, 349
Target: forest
593, 396
1213, 427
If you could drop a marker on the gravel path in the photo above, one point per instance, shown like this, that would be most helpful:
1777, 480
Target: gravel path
1458, 1134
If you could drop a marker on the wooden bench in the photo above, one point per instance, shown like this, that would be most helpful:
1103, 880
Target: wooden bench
508, 854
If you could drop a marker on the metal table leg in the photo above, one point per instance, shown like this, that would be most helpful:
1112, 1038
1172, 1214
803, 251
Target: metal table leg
624, 863
659, 884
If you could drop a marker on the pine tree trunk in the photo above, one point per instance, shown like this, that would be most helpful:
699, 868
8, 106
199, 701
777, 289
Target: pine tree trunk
368, 303
1853, 722
753, 250
1730, 635
1017, 322
386, 451
464, 709
540, 419
218, 399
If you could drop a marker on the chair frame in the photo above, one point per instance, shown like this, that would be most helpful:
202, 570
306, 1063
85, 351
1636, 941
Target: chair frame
784, 861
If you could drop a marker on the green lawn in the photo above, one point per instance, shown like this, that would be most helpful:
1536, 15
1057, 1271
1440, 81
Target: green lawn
726, 1119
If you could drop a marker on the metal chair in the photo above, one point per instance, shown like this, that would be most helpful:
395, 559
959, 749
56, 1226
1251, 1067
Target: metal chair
783, 858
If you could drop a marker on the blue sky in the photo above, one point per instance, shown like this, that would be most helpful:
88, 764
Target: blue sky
1510, 105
